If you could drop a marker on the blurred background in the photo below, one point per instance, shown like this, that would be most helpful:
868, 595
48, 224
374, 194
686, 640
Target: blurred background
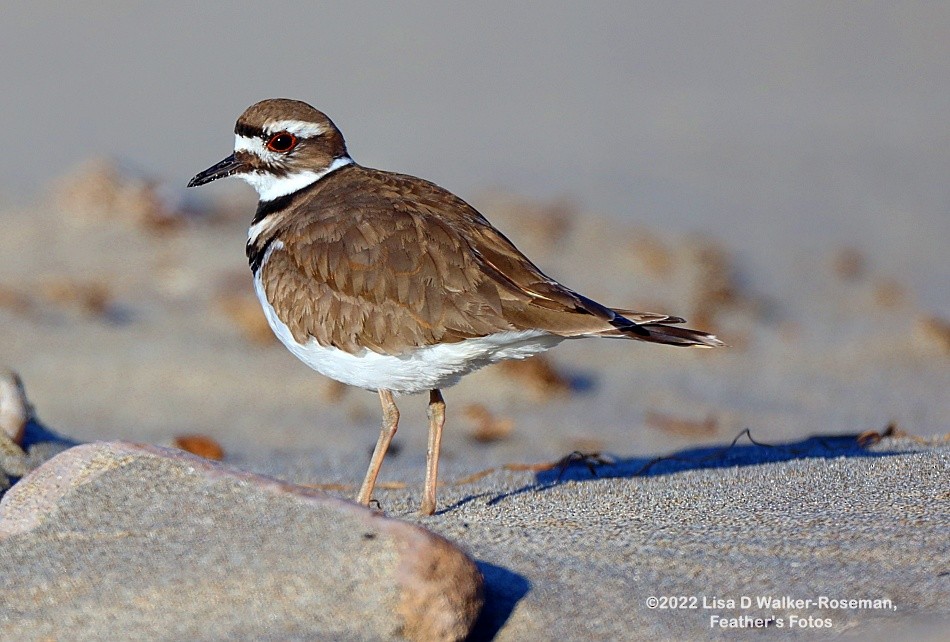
792, 158
760, 122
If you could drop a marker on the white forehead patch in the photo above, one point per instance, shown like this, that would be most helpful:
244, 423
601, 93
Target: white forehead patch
252, 145
299, 128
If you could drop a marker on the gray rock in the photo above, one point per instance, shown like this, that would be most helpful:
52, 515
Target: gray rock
24, 442
14, 414
116, 540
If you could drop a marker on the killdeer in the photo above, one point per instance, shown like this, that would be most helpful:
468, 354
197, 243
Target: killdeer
389, 282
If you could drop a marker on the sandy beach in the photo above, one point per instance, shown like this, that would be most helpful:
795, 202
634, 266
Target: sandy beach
785, 188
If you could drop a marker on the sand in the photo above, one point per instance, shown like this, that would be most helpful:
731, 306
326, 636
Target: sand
776, 175
152, 333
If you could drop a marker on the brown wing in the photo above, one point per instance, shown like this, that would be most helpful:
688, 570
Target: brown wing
405, 264
389, 262
530, 298
379, 282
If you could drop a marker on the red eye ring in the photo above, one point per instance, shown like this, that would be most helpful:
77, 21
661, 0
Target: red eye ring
282, 142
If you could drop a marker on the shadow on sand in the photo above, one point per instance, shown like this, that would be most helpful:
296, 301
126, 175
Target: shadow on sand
579, 466
36, 433
504, 588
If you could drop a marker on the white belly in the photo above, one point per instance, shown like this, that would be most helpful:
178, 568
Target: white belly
427, 368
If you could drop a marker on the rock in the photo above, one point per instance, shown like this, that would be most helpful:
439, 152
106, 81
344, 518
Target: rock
24, 442
200, 445
15, 410
15, 413
102, 189
117, 537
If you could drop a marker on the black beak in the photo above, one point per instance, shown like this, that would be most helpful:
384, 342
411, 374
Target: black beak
225, 168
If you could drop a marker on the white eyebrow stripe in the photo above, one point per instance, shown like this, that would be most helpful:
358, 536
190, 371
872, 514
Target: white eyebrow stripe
300, 128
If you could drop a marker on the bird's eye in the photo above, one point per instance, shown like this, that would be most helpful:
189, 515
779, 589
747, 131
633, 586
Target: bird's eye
282, 142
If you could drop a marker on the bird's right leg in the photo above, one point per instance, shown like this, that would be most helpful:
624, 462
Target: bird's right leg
390, 422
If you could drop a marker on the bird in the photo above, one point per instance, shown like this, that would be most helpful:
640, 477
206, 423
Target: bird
390, 283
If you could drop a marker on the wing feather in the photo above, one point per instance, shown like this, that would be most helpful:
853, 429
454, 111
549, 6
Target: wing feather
390, 263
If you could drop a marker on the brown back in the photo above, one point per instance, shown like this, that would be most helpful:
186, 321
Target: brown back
390, 262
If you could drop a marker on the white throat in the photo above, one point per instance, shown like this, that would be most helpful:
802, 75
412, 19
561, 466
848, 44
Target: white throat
270, 187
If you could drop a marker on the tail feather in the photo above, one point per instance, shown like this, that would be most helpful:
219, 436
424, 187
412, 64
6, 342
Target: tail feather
674, 336
647, 317
665, 334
